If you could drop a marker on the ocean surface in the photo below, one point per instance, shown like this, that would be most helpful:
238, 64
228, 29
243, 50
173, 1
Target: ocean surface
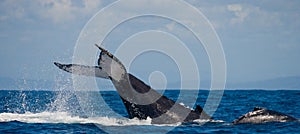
103, 112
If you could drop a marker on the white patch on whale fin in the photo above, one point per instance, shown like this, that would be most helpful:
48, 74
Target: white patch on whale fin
94, 71
112, 66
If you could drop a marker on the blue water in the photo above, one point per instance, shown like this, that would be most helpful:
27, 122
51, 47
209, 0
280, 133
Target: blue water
63, 112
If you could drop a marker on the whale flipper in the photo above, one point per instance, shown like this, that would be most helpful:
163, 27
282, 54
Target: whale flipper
94, 71
262, 115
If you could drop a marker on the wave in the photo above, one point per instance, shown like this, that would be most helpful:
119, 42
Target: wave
64, 117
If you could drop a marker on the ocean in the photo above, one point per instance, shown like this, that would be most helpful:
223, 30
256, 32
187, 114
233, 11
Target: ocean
62, 112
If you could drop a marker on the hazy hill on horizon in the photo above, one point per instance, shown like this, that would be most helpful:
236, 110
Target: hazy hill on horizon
292, 82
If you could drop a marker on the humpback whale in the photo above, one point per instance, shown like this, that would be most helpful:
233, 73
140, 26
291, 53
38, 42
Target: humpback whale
263, 115
140, 100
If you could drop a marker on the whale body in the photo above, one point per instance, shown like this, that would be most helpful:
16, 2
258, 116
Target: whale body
263, 115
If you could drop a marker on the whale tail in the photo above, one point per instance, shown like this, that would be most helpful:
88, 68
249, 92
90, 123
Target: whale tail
94, 71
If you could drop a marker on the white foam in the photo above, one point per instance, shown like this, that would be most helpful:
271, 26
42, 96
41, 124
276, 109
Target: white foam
64, 117
182, 104
208, 120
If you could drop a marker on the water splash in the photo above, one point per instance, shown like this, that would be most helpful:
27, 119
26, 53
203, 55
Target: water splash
64, 117
65, 98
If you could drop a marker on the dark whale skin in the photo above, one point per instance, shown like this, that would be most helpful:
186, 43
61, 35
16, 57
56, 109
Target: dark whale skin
263, 115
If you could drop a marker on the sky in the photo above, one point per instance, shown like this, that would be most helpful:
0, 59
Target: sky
260, 39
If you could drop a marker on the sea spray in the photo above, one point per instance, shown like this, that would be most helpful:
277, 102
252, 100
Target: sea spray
65, 98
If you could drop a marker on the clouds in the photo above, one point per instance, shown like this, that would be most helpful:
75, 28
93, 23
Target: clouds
239, 13
256, 35
9, 9
257, 31
254, 15
61, 11
67, 10
34, 32
57, 11
235, 13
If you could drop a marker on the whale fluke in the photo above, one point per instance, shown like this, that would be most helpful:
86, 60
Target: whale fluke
83, 70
